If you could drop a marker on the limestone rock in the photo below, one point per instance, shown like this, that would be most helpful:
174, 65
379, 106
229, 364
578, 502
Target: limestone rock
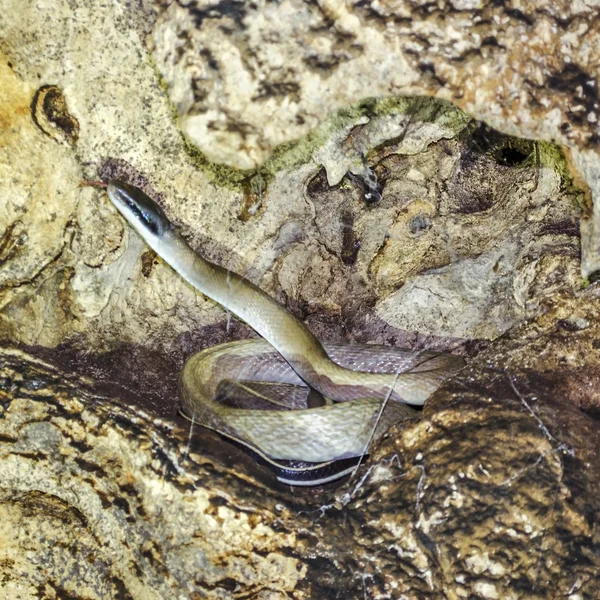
397, 220
493, 494
466, 238
245, 80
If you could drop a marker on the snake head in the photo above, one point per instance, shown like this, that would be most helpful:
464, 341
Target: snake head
142, 213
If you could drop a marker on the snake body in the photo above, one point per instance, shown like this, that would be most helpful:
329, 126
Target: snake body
289, 355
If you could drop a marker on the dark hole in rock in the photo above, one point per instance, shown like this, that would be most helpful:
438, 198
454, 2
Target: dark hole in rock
594, 277
511, 156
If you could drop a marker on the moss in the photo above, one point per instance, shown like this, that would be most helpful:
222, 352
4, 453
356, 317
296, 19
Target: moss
553, 157
290, 155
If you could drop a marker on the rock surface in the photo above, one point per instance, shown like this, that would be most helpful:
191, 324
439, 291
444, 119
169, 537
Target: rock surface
248, 77
467, 239
492, 494
472, 232
245, 78
398, 220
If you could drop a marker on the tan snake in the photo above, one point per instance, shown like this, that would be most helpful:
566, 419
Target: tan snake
289, 356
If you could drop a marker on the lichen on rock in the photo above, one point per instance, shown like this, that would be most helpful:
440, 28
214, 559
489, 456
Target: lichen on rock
324, 171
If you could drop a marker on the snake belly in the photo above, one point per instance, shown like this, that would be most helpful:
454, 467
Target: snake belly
289, 354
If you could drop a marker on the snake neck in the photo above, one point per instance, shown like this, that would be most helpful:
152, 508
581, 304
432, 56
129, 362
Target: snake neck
287, 334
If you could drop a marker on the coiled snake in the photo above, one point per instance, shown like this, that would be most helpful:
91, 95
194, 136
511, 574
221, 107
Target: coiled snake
288, 358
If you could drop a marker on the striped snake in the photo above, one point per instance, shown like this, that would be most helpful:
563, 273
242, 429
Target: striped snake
323, 403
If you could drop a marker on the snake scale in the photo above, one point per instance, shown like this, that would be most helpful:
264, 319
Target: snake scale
305, 444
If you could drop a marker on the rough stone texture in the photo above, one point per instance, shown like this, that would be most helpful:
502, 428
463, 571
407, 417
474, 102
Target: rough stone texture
492, 494
442, 228
458, 200
245, 78
467, 239
96, 502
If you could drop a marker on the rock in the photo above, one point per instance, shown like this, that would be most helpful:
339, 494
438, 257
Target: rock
404, 264
466, 239
246, 80
395, 220
491, 494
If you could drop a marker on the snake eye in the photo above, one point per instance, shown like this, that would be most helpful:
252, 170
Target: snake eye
140, 210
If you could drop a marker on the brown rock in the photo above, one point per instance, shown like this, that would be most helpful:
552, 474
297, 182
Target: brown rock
443, 227
493, 494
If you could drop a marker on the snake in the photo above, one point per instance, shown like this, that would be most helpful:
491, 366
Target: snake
325, 403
